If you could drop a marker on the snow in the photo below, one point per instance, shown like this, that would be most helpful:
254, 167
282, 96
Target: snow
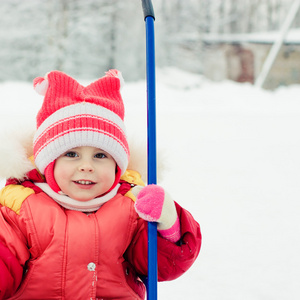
232, 159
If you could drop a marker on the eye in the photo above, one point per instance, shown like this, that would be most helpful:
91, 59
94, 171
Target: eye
100, 155
71, 154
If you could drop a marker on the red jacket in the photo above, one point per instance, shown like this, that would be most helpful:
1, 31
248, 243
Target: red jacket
68, 254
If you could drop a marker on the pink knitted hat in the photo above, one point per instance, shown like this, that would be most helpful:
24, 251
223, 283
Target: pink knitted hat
73, 115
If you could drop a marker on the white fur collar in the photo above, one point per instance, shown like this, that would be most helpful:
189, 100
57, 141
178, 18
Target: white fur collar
15, 148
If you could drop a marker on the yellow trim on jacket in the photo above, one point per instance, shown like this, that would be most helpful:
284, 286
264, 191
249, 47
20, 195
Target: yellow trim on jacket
132, 177
12, 196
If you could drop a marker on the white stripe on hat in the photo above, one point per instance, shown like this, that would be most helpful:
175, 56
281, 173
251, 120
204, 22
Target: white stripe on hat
83, 138
77, 109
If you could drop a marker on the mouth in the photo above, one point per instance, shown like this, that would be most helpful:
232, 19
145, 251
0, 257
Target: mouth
84, 182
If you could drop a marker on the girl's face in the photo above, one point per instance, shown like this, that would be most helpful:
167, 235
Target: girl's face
84, 173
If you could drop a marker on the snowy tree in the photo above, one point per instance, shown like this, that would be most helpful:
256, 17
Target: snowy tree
85, 38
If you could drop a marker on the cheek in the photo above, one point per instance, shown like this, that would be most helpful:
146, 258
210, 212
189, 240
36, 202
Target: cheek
110, 174
57, 172
60, 174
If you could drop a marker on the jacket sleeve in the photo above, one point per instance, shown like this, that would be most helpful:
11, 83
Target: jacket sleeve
10, 273
13, 251
173, 259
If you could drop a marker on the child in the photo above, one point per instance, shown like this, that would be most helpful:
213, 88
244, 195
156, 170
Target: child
74, 226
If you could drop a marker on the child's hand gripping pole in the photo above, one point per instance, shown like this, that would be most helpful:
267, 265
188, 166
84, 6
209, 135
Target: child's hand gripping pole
153, 204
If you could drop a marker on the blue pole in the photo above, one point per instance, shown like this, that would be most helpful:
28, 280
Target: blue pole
151, 130
152, 179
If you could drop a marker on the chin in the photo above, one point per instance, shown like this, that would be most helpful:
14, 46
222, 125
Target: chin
84, 199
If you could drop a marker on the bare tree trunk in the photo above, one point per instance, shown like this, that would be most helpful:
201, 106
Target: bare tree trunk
234, 27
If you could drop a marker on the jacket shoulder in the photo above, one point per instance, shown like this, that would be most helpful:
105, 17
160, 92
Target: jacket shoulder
12, 196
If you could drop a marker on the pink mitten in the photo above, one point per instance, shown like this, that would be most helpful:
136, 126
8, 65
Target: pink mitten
155, 205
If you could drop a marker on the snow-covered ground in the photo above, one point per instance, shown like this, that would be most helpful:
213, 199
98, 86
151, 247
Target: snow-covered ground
232, 158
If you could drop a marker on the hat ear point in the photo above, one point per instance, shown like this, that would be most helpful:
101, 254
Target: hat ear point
117, 74
40, 85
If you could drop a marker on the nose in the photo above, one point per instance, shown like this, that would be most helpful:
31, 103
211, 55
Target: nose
86, 166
